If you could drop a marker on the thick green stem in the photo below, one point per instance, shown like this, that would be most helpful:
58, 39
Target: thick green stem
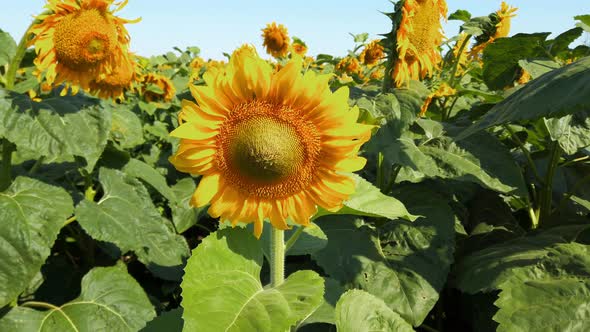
546, 195
6, 166
277, 257
21, 49
453, 80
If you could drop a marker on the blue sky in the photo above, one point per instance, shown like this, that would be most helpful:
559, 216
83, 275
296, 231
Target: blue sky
222, 25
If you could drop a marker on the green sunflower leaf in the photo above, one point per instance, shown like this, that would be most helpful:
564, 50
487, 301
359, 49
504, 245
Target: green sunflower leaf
570, 131
7, 48
222, 291
126, 128
358, 310
326, 311
368, 201
500, 58
110, 300
140, 170
32, 213
56, 128
548, 304
461, 15
126, 216
546, 254
185, 216
560, 92
404, 263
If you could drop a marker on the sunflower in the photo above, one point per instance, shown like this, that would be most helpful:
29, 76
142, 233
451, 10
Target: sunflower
444, 90
276, 40
418, 38
372, 53
524, 77
349, 65
269, 144
155, 87
113, 85
503, 18
78, 42
299, 47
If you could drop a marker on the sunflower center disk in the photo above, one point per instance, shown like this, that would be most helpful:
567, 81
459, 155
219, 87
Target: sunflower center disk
425, 28
265, 150
84, 39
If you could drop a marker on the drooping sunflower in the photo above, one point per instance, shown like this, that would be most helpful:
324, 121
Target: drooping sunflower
502, 18
444, 90
78, 42
114, 85
349, 65
276, 40
418, 38
155, 87
372, 53
269, 145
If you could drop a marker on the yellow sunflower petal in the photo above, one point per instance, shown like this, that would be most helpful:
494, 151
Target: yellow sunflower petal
208, 187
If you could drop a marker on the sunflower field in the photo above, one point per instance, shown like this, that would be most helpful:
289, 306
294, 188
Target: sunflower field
421, 182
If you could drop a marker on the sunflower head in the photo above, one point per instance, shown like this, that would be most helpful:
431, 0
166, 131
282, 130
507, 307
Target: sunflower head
501, 28
155, 87
79, 42
196, 64
349, 65
299, 47
268, 144
114, 85
418, 38
505, 15
372, 53
276, 40
444, 90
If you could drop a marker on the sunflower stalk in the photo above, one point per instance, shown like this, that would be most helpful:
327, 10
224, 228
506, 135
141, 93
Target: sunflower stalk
14, 65
390, 46
454, 81
277, 257
547, 192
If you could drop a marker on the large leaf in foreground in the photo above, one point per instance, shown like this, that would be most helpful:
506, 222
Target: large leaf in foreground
111, 300
57, 128
31, 215
547, 304
221, 288
405, 263
560, 92
358, 310
126, 216
552, 294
